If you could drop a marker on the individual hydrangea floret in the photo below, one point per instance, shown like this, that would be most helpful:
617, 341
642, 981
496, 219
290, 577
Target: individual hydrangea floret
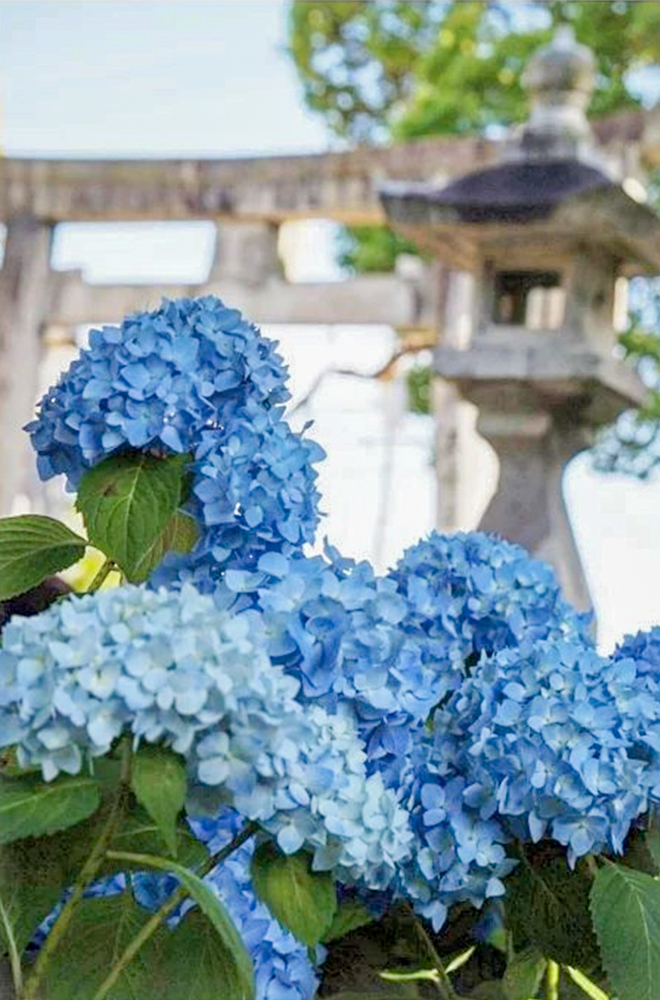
168, 667
191, 377
545, 738
473, 593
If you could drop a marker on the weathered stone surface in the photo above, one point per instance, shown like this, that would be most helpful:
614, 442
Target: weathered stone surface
341, 186
24, 307
528, 506
377, 298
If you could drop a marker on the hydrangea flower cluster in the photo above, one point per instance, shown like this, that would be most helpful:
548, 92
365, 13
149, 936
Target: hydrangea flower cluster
473, 593
541, 739
459, 854
544, 737
641, 653
191, 377
394, 647
168, 666
336, 626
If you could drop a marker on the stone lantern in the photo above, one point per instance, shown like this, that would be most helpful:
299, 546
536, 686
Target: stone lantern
550, 237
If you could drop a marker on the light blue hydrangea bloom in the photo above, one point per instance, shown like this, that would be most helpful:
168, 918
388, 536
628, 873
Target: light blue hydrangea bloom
129, 660
191, 377
311, 789
167, 666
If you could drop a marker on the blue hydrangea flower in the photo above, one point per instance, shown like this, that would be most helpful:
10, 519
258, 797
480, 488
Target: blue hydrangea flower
459, 855
472, 593
311, 789
167, 666
156, 381
639, 656
162, 665
644, 649
191, 377
336, 626
544, 737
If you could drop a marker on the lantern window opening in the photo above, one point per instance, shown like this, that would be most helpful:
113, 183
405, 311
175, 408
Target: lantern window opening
534, 300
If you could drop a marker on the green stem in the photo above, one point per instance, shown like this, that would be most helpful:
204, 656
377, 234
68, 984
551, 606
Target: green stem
592, 865
87, 874
552, 980
444, 985
14, 955
102, 575
167, 907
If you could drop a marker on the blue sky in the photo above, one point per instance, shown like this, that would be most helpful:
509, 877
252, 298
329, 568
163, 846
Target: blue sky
149, 78
156, 78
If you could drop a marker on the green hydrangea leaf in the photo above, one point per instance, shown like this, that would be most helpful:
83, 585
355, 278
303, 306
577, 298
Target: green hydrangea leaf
139, 833
180, 534
625, 905
100, 931
197, 965
305, 902
32, 548
127, 501
547, 905
32, 880
348, 917
30, 807
158, 780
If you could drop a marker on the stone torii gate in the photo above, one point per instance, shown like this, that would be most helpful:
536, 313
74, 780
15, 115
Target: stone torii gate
248, 200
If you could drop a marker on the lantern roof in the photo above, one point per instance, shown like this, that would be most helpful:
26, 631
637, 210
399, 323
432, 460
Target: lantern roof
550, 182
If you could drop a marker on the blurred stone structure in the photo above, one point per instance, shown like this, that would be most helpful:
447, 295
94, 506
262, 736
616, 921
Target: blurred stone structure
250, 200
548, 233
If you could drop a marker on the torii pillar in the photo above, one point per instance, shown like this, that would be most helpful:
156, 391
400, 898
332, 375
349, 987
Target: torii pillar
25, 293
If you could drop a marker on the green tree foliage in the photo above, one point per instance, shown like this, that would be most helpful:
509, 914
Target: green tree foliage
382, 69
400, 70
